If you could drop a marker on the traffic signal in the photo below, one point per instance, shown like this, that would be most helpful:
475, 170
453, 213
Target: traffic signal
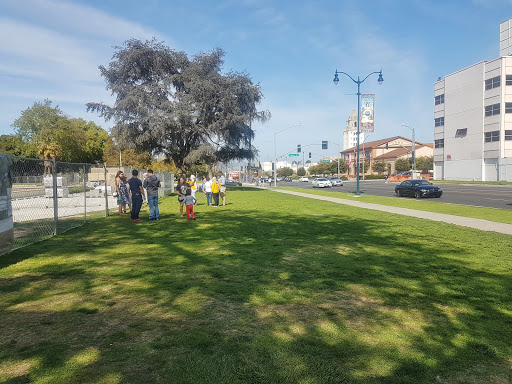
310, 155
324, 144
298, 148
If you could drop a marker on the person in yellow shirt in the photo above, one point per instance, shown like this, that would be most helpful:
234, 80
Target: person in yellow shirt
193, 186
215, 191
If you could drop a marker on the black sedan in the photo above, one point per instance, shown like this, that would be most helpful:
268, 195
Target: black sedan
417, 188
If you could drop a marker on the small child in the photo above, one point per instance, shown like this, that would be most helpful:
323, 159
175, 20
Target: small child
189, 202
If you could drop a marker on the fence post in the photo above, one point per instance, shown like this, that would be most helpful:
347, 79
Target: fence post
55, 203
85, 194
106, 193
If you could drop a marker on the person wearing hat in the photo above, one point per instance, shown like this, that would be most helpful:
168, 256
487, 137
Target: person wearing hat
193, 186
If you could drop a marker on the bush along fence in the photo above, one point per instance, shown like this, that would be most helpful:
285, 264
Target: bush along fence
41, 198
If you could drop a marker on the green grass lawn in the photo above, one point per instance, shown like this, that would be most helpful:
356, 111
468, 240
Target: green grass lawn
269, 289
430, 205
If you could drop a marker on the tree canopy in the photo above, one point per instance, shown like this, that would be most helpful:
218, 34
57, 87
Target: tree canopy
402, 165
184, 108
44, 131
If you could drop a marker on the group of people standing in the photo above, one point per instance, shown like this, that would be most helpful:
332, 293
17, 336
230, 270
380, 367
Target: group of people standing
213, 190
132, 192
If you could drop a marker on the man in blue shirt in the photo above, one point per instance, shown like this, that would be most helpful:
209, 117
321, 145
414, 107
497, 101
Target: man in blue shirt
137, 193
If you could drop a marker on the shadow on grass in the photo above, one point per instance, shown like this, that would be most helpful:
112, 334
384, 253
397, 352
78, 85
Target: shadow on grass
258, 296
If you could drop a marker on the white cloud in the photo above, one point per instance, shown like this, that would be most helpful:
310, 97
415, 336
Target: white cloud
52, 49
77, 19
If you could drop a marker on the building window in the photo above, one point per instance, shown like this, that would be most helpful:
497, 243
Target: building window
508, 80
492, 83
508, 135
491, 136
439, 143
439, 99
439, 121
508, 107
491, 110
461, 132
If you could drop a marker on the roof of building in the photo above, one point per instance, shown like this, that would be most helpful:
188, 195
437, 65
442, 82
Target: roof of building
399, 152
376, 143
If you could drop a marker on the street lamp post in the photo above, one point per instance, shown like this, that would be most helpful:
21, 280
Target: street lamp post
358, 82
275, 151
364, 154
413, 150
339, 154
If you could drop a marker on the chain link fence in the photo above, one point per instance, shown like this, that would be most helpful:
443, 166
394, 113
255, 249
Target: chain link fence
41, 198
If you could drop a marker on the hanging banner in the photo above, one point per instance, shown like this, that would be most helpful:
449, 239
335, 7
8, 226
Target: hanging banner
350, 160
367, 102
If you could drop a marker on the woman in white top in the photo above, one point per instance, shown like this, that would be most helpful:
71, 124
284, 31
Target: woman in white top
208, 191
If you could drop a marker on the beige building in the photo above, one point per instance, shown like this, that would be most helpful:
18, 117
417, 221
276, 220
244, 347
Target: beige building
473, 119
350, 132
385, 150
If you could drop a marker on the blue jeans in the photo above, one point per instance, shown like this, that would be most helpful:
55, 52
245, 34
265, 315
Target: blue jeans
153, 207
208, 198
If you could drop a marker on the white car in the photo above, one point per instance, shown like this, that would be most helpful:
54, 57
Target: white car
322, 182
336, 182
304, 178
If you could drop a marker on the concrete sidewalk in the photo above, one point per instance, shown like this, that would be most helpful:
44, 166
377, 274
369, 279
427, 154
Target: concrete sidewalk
481, 224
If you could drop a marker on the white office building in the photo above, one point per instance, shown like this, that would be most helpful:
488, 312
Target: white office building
473, 119
350, 132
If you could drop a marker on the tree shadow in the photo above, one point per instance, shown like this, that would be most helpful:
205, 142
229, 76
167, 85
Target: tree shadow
310, 295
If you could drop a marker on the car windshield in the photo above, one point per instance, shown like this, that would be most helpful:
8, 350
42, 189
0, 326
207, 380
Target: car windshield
321, 179
420, 182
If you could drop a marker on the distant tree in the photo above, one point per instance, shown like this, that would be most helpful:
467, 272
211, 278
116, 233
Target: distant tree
286, 171
314, 170
402, 165
198, 170
331, 167
72, 140
301, 172
113, 155
12, 145
425, 163
34, 119
46, 132
343, 166
164, 166
182, 108
379, 167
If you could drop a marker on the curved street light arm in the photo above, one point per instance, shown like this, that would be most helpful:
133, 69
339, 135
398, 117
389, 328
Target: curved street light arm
379, 72
346, 74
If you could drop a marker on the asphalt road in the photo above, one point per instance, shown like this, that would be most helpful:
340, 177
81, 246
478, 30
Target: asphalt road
494, 196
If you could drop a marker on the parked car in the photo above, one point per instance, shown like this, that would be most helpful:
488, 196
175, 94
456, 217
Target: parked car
304, 179
336, 182
233, 184
417, 188
288, 178
322, 182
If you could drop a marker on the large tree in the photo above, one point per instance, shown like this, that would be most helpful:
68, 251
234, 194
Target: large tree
183, 108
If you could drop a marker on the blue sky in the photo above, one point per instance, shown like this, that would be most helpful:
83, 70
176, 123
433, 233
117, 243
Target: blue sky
52, 49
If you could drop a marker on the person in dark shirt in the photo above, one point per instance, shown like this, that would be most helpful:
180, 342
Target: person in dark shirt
137, 193
152, 183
